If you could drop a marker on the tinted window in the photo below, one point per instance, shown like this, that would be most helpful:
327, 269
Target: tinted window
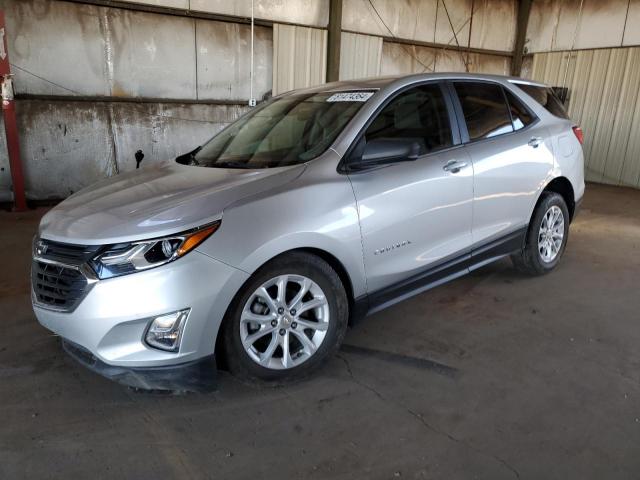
284, 131
419, 115
519, 114
484, 108
545, 97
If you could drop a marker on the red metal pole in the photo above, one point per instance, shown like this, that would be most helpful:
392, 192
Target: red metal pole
10, 124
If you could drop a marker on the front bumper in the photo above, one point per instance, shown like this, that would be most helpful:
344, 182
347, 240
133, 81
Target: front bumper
195, 376
111, 320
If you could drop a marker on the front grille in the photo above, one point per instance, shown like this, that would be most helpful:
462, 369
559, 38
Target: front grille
56, 273
57, 286
67, 252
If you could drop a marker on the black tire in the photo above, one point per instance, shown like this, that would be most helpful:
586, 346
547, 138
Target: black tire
529, 260
238, 361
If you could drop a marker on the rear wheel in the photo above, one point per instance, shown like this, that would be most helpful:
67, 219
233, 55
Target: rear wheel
546, 237
289, 317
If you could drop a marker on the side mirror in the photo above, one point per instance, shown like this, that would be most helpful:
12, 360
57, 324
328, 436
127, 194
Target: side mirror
383, 151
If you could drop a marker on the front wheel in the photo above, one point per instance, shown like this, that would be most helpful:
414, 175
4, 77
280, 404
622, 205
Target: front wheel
546, 237
288, 318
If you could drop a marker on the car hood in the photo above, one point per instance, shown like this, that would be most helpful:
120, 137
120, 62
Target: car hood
155, 201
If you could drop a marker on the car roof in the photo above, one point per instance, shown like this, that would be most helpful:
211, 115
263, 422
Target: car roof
376, 83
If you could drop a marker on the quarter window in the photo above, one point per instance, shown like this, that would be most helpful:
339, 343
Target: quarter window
519, 113
419, 115
545, 97
484, 108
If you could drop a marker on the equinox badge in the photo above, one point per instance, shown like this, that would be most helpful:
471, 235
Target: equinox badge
392, 247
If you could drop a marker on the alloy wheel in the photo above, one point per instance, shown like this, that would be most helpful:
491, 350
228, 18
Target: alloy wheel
551, 234
284, 322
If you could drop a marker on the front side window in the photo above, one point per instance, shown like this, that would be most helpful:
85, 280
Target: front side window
418, 115
484, 108
519, 113
284, 131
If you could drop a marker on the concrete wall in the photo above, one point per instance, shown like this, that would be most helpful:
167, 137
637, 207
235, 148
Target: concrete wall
69, 145
95, 57
61, 48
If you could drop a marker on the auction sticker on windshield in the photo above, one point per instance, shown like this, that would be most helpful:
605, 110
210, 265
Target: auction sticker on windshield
350, 97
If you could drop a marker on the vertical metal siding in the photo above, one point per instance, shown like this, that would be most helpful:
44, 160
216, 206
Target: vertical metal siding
360, 56
299, 57
605, 101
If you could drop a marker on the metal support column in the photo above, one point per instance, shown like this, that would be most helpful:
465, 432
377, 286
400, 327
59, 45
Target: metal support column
10, 124
524, 8
334, 34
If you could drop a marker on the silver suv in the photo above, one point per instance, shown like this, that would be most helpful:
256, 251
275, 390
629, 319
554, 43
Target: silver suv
311, 211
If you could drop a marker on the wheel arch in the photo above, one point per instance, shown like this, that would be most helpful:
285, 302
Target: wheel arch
333, 262
562, 186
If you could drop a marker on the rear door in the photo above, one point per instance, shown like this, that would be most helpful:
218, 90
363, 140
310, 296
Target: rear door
511, 153
414, 214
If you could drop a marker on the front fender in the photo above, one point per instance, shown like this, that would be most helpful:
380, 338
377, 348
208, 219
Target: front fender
317, 211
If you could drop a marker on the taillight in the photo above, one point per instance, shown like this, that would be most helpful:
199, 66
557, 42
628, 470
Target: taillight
578, 133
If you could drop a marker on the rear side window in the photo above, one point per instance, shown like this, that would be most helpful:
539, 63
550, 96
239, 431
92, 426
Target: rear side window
519, 113
545, 97
484, 108
419, 114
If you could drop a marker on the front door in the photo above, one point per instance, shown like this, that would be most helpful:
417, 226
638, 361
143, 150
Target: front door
414, 214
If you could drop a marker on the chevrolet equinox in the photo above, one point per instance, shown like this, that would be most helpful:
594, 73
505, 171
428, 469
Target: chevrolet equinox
312, 210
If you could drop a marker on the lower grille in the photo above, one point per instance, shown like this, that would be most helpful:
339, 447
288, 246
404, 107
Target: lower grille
57, 286
79, 353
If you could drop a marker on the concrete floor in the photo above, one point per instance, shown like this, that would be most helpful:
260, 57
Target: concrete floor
543, 382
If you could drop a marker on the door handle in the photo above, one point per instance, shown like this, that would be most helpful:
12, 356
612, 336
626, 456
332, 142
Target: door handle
534, 142
454, 166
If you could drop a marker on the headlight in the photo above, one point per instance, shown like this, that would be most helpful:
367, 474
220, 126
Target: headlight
124, 258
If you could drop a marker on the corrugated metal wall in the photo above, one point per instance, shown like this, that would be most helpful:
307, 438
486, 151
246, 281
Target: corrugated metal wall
560, 25
299, 57
604, 101
360, 56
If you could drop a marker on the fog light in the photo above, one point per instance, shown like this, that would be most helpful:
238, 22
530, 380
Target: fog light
165, 331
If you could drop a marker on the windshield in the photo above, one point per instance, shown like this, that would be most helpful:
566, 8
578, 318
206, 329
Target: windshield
283, 131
